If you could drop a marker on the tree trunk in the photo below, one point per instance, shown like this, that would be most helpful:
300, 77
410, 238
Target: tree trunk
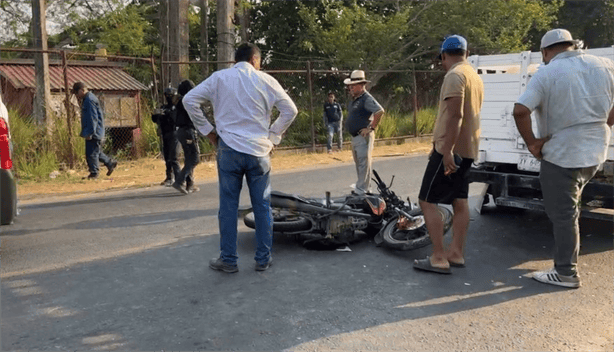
225, 33
243, 14
179, 33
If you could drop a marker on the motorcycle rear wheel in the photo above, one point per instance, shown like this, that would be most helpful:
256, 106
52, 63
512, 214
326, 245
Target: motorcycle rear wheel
283, 221
413, 238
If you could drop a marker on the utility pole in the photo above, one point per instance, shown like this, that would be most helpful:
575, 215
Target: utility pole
204, 36
175, 36
179, 40
41, 61
225, 33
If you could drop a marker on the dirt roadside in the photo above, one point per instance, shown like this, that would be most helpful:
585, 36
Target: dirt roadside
149, 172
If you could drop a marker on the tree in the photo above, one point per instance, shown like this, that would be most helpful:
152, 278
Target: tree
596, 24
17, 16
408, 34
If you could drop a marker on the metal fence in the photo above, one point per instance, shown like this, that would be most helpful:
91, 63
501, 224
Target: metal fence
130, 88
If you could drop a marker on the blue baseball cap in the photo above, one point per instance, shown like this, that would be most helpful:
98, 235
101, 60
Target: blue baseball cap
453, 42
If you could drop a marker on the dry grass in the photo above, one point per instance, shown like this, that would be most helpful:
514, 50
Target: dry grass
149, 172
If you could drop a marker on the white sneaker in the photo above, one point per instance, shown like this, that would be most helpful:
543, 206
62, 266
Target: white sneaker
553, 278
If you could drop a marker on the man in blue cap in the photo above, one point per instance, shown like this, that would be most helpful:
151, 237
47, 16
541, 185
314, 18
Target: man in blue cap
456, 138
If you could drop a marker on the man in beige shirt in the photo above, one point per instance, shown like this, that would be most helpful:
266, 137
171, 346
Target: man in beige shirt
456, 138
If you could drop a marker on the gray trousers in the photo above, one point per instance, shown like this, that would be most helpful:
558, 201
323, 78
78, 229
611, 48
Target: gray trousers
362, 151
562, 192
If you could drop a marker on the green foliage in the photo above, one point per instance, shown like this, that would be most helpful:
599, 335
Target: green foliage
124, 32
595, 25
150, 138
299, 133
394, 123
407, 34
33, 155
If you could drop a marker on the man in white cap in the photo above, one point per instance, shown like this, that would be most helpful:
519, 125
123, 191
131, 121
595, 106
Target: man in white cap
574, 97
456, 138
364, 113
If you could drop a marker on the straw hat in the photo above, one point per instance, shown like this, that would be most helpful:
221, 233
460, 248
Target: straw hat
357, 76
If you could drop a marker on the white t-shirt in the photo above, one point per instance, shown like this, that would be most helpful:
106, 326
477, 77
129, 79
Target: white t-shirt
573, 96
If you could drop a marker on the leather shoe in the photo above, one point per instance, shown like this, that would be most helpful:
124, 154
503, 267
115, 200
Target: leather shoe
111, 167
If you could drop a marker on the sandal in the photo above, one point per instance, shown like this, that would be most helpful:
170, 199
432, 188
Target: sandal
425, 264
457, 264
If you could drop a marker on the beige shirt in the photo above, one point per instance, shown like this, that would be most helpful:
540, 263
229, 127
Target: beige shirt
461, 80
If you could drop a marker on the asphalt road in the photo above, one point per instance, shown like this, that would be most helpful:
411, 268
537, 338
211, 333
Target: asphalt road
128, 271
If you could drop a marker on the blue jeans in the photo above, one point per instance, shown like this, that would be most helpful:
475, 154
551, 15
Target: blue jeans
334, 128
93, 154
232, 166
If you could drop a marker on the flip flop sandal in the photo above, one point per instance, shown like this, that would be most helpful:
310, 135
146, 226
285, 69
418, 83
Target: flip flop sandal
456, 265
425, 264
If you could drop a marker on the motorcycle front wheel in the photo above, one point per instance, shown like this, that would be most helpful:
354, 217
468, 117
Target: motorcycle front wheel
416, 236
283, 221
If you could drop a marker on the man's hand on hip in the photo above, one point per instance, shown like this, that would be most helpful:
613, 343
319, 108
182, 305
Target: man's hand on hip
536, 147
213, 138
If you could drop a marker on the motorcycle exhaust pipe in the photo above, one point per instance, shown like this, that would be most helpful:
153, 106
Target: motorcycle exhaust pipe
278, 202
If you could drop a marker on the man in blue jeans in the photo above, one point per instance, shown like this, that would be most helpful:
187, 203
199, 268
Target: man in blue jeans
333, 120
92, 130
243, 98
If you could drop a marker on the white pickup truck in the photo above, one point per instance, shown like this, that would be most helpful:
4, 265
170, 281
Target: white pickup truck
504, 162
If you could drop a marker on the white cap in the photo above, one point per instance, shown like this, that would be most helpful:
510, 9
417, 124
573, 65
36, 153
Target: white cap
557, 36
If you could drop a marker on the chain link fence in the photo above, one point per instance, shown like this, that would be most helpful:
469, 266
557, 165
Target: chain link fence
129, 88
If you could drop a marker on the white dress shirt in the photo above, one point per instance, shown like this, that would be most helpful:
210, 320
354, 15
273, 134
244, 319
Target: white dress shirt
573, 96
243, 99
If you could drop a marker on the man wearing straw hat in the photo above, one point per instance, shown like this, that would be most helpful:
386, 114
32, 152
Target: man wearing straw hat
364, 114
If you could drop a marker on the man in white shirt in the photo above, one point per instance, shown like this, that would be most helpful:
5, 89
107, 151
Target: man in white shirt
573, 95
243, 98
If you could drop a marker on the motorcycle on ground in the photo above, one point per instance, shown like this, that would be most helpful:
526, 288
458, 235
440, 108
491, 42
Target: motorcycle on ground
335, 222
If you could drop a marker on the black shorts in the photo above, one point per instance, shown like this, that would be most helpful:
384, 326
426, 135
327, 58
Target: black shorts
439, 188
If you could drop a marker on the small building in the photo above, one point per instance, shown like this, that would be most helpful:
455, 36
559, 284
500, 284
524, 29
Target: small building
118, 92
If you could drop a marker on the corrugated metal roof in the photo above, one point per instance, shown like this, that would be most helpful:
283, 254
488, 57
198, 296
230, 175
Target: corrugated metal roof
95, 78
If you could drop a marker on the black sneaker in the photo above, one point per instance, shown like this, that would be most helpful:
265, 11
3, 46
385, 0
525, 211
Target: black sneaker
180, 188
219, 265
111, 167
264, 267
91, 177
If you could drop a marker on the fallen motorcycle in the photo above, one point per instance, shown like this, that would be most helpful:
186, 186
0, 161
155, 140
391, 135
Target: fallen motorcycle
333, 222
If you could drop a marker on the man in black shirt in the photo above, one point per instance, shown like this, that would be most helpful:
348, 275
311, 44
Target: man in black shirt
165, 118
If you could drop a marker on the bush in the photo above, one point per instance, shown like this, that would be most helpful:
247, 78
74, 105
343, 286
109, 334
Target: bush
33, 155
